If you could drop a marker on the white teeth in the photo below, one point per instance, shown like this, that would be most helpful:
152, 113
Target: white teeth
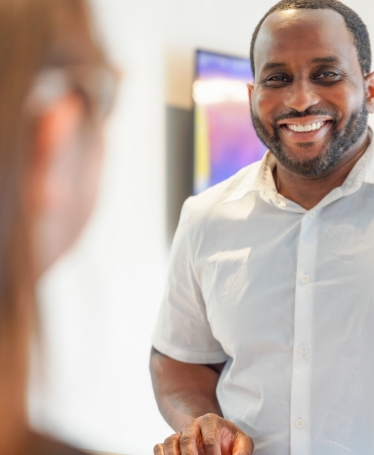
306, 128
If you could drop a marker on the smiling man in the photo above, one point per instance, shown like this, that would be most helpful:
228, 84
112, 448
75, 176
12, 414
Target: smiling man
264, 340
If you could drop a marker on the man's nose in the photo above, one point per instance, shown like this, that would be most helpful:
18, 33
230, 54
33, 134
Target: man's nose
300, 95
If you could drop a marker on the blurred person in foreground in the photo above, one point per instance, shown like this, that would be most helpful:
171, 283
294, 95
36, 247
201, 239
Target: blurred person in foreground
265, 337
56, 88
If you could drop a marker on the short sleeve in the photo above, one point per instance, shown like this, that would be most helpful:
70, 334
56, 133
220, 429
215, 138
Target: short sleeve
182, 330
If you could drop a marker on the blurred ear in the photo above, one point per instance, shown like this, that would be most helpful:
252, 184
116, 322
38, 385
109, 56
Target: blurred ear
369, 85
58, 129
250, 87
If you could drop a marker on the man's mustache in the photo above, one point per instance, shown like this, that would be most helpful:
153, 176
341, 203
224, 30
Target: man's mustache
293, 113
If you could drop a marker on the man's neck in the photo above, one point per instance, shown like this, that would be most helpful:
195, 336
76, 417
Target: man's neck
307, 191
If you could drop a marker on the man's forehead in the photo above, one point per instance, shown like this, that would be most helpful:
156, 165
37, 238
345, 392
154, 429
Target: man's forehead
300, 30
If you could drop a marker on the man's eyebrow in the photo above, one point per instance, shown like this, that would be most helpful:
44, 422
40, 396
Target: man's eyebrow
272, 66
328, 59
276, 65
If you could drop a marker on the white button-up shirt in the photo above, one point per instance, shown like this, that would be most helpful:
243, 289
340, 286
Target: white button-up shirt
286, 297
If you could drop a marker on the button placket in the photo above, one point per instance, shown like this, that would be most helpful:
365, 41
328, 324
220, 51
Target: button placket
305, 278
303, 349
299, 423
312, 214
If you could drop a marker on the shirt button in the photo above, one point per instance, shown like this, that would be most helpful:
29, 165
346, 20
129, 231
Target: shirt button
312, 214
303, 349
304, 278
299, 423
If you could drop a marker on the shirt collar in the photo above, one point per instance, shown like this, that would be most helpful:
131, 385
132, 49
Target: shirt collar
369, 172
259, 177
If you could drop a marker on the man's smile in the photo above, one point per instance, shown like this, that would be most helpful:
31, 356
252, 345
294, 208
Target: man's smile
305, 129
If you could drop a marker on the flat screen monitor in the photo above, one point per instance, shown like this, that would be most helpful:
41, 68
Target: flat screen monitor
224, 138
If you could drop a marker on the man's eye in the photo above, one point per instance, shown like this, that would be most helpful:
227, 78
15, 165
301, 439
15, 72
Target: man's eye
326, 75
278, 80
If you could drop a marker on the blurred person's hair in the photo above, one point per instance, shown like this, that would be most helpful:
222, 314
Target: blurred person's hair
35, 36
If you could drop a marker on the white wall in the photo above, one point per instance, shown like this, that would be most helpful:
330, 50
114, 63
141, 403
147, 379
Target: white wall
99, 304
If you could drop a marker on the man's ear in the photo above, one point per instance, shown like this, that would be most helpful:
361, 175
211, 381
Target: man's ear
250, 87
369, 85
58, 128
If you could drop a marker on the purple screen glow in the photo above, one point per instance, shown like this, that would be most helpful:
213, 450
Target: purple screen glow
225, 140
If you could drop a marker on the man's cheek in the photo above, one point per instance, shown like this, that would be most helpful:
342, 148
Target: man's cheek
262, 104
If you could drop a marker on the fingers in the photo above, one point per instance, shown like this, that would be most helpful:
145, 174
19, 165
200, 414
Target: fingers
243, 445
233, 441
171, 445
210, 436
189, 440
207, 435
224, 438
158, 449
180, 444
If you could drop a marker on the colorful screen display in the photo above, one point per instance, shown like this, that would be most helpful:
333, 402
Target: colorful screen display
225, 140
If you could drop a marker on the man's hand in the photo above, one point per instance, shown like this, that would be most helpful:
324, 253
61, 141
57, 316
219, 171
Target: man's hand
207, 435
186, 392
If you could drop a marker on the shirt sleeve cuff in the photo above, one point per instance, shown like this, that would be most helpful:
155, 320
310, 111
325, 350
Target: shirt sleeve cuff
189, 356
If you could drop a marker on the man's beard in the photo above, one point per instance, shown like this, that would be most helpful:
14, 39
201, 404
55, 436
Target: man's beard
341, 141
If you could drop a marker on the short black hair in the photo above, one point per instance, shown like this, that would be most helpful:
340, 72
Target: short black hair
352, 20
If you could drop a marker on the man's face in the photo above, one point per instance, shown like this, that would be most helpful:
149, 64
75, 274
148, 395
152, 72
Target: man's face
308, 101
